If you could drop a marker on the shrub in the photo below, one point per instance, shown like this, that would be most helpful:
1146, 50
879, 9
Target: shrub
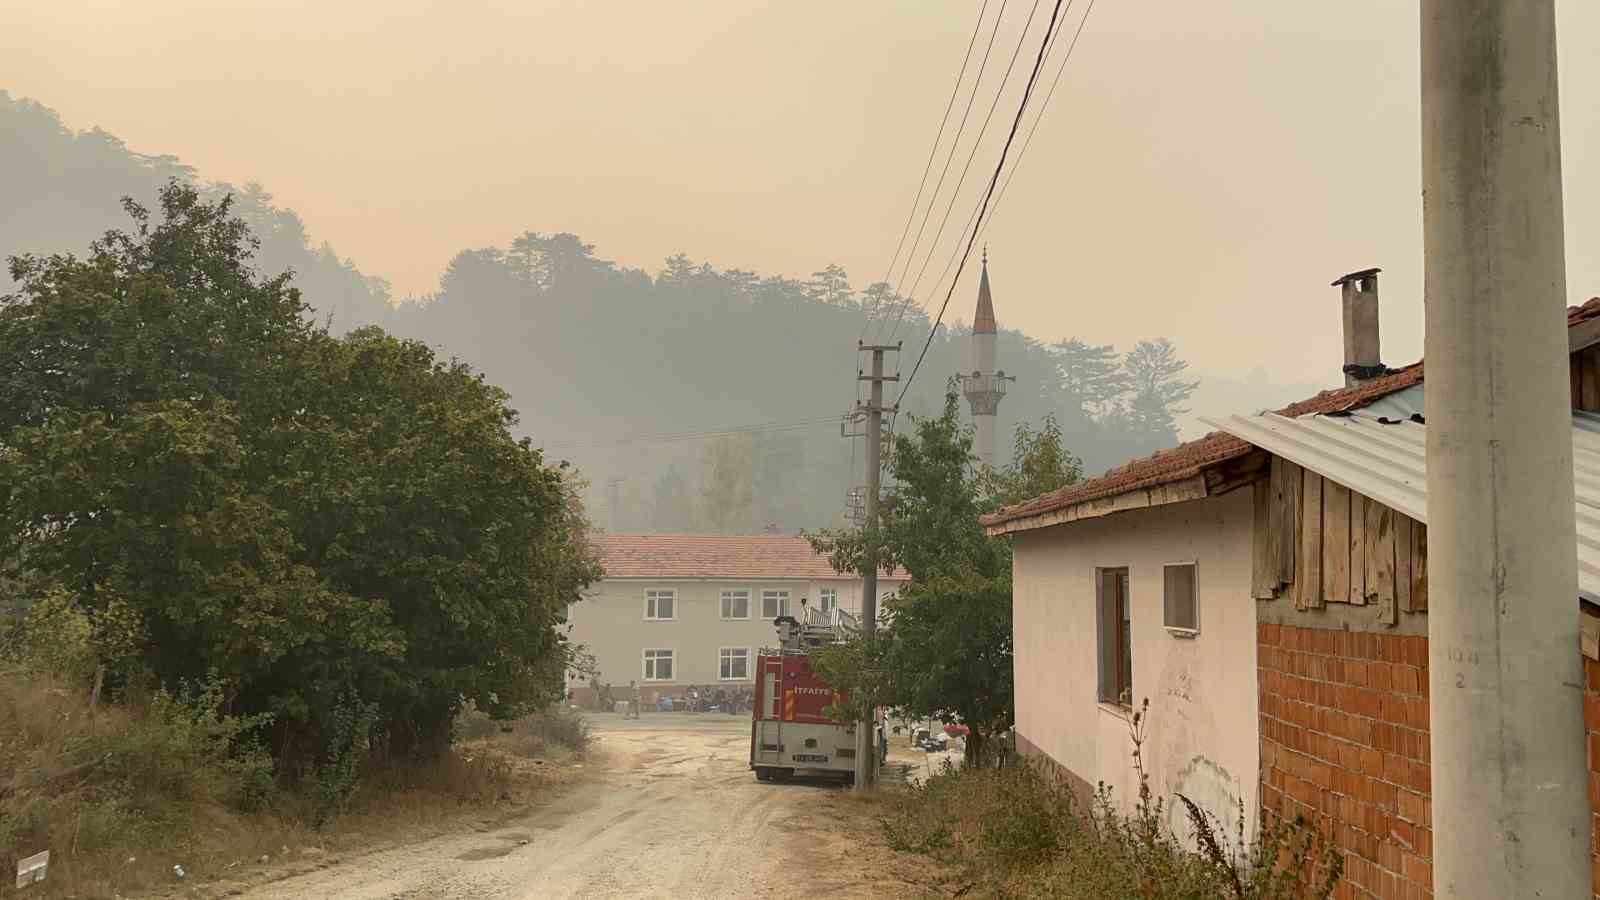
1021, 835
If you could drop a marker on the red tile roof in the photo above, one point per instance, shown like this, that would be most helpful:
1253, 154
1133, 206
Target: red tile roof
714, 556
1191, 458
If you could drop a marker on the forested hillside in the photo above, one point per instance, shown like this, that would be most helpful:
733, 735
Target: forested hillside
625, 372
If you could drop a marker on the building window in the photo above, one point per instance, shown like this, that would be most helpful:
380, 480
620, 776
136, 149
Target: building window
660, 604
774, 604
658, 665
1116, 638
829, 600
1182, 602
736, 604
733, 664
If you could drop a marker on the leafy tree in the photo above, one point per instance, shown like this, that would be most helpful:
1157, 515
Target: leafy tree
944, 642
1155, 374
671, 507
1091, 377
727, 494
1040, 463
326, 524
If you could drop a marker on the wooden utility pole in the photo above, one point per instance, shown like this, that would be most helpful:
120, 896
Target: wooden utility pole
866, 748
1510, 786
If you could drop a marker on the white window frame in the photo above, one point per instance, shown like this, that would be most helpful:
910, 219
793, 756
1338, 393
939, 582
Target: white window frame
1178, 630
725, 653
824, 596
784, 597
652, 607
725, 596
645, 659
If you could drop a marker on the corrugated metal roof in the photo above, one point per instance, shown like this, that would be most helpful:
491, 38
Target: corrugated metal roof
1387, 461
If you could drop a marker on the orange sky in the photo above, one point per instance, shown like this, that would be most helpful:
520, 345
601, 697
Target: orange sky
1204, 170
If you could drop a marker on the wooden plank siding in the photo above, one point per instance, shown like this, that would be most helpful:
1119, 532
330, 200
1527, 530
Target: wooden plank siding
1585, 372
1309, 562
1317, 542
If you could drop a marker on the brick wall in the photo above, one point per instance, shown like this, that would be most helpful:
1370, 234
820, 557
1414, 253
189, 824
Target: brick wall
1344, 742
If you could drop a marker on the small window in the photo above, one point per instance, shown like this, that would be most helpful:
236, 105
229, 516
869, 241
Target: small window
774, 604
1182, 614
829, 600
733, 664
1115, 638
660, 604
736, 604
658, 665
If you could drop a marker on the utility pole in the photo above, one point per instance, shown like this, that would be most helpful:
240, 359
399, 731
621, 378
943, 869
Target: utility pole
1510, 800
866, 751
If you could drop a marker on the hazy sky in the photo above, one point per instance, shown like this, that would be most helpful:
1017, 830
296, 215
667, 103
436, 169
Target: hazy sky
1203, 172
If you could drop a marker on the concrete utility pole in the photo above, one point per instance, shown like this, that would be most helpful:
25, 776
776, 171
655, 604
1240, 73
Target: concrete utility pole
1510, 800
866, 751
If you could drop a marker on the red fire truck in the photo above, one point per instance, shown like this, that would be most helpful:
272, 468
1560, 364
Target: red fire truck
790, 731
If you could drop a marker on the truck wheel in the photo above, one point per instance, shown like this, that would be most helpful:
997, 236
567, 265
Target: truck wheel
763, 773
780, 775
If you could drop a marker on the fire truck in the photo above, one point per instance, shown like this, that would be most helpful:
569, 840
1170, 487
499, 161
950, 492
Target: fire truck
790, 731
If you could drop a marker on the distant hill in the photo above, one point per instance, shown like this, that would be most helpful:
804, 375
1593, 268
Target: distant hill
634, 375
62, 189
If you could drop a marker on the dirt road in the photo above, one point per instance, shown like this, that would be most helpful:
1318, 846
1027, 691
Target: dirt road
671, 810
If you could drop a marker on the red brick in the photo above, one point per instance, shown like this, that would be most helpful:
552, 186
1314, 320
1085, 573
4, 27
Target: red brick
1418, 870
1269, 634
1404, 833
1386, 797
1355, 672
1396, 769
1405, 679
1425, 843
1421, 778
1591, 672
1380, 677
1594, 751
1413, 807
1417, 709
1385, 737
1417, 651
1371, 761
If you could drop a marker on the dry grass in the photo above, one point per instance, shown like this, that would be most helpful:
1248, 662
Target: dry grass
121, 796
1010, 833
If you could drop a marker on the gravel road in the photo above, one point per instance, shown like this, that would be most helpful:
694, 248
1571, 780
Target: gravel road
671, 810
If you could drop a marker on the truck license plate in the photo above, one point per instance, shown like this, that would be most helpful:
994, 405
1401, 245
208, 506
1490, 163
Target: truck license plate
810, 757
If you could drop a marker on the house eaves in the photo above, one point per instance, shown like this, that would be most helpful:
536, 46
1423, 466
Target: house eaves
1386, 460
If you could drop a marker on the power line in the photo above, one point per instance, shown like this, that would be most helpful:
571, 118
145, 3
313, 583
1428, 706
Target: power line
955, 143
973, 154
1026, 143
967, 167
933, 151
1027, 94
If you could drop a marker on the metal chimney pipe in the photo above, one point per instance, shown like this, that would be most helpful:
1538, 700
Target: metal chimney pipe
1359, 291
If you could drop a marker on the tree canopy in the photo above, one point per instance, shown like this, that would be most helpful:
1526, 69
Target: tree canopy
943, 645
324, 523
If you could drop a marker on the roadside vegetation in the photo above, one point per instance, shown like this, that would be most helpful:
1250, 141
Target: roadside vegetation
1014, 832
255, 579
943, 645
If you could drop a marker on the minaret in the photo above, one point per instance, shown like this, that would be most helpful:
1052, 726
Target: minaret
985, 387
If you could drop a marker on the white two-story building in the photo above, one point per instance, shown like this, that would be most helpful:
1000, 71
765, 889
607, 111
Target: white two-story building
676, 611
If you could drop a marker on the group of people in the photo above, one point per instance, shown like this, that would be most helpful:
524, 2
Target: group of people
695, 699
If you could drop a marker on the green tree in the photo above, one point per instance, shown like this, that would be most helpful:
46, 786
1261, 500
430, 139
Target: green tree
1091, 377
326, 524
1159, 390
727, 493
943, 648
671, 506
